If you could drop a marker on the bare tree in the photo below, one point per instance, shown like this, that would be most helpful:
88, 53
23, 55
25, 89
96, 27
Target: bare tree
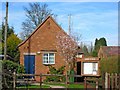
77, 37
36, 14
67, 47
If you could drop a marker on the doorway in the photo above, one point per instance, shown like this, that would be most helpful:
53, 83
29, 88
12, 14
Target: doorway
29, 64
79, 79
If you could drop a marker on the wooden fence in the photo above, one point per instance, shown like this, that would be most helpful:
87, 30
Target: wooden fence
112, 81
91, 83
109, 82
27, 81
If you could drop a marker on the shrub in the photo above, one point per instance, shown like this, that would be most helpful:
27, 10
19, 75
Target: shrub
94, 53
109, 64
9, 67
59, 71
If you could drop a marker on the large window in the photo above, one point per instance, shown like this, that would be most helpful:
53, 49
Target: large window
48, 58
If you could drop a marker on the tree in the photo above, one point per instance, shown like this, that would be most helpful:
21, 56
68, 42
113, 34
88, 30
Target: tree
96, 41
12, 43
0, 41
101, 42
9, 32
35, 14
68, 48
85, 50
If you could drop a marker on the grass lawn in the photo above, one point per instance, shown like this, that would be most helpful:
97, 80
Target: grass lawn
75, 86
34, 86
69, 85
48, 86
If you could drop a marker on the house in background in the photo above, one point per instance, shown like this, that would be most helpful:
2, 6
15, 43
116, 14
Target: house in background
107, 51
39, 50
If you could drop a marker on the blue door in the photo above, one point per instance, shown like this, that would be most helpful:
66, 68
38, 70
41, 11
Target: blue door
29, 63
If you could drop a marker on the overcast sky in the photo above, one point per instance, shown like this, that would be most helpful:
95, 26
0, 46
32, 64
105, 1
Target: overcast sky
90, 19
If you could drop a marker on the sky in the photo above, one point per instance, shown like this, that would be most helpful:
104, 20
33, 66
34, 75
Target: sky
90, 19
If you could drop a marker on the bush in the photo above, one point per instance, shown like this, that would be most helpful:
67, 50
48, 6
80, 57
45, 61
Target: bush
109, 64
59, 71
9, 67
94, 53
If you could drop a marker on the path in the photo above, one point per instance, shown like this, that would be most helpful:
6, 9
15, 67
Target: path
51, 86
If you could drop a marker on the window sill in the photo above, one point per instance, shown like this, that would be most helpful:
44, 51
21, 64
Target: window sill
48, 63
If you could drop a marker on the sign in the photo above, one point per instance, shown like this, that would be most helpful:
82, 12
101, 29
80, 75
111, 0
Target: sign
90, 67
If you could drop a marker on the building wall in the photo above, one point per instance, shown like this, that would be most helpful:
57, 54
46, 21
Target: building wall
43, 39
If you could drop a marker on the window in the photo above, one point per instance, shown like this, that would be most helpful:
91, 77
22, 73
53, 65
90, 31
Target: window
48, 58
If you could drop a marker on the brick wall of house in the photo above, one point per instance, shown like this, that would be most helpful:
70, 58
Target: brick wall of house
44, 38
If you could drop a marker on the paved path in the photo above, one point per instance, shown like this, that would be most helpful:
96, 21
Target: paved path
51, 86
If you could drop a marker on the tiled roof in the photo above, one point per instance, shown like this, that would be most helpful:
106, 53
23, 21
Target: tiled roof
111, 50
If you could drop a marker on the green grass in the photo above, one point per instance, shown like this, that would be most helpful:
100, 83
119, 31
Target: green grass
75, 86
34, 86
69, 85
48, 86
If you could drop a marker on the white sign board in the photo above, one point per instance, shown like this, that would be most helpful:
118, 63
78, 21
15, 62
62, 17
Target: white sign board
90, 68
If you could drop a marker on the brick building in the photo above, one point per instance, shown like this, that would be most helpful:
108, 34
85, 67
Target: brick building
39, 50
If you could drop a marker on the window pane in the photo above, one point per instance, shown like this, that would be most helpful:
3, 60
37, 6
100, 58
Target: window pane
45, 62
45, 58
51, 54
51, 58
45, 55
51, 62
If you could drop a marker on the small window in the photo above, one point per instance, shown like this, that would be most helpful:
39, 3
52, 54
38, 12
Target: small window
48, 58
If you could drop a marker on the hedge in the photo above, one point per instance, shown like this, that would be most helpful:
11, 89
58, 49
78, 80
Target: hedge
9, 67
110, 65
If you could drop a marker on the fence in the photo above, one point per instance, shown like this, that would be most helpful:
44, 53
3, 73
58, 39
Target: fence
91, 82
112, 81
41, 76
109, 81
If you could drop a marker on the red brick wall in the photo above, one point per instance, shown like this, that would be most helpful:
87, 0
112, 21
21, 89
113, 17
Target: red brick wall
43, 39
